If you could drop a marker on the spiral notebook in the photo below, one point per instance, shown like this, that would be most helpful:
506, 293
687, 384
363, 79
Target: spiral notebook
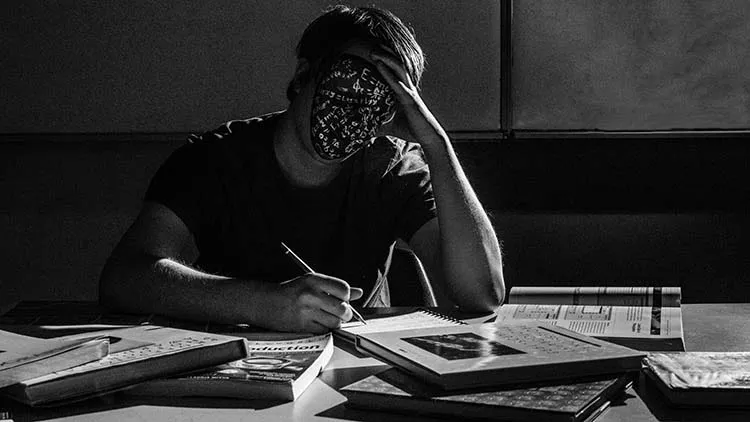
420, 318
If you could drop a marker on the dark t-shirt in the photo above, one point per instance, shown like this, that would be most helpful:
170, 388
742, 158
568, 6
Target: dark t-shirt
228, 189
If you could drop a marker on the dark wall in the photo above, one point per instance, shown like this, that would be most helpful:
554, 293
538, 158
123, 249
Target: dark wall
103, 66
566, 212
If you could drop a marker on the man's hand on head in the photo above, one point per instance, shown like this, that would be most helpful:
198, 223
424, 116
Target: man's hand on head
413, 115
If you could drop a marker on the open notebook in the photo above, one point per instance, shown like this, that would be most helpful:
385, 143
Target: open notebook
420, 318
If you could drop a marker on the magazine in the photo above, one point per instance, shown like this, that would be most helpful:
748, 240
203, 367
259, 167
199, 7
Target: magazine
643, 318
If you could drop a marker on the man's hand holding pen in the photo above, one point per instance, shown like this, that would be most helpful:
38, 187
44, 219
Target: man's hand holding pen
320, 301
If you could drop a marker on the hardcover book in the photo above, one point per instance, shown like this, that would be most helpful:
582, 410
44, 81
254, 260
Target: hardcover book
281, 370
23, 357
701, 378
574, 401
493, 354
643, 318
135, 355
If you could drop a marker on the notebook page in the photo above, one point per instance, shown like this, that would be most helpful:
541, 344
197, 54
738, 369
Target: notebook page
416, 319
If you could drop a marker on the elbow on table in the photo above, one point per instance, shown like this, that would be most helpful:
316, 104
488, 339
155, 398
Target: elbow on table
488, 294
496, 293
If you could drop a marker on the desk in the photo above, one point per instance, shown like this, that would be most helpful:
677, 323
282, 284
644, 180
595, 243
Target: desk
708, 327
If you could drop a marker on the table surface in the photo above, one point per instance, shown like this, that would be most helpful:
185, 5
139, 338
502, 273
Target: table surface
707, 327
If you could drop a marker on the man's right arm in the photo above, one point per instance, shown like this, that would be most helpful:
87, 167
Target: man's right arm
144, 275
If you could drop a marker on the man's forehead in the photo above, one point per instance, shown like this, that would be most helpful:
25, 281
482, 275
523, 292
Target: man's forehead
355, 76
351, 66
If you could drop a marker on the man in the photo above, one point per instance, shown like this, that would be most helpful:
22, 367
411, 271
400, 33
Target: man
321, 177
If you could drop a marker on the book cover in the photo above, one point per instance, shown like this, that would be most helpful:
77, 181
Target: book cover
136, 354
643, 318
579, 400
23, 357
494, 354
701, 378
280, 370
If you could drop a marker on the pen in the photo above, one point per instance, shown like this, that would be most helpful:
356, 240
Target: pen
300, 263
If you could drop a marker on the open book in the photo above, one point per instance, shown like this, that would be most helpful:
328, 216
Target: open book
273, 369
135, 355
464, 356
701, 378
643, 318
574, 401
23, 357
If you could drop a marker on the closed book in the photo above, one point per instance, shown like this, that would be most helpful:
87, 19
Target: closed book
277, 370
572, 401
136, 354
691, 379
492, 354
23, 357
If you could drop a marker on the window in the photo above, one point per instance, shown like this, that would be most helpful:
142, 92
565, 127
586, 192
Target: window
633, 65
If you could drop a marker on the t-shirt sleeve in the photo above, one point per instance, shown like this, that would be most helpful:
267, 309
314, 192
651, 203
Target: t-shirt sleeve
418, 202
183, 182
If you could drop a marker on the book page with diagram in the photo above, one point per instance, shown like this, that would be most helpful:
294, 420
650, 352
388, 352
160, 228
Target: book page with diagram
600, 321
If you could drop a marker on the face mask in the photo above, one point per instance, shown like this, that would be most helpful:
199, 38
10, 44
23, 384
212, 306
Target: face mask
350, 104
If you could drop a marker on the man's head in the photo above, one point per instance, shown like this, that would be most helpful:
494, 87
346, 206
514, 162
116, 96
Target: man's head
350, 100
328, 35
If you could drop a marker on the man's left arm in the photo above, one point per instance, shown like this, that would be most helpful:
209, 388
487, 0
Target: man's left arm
460, 244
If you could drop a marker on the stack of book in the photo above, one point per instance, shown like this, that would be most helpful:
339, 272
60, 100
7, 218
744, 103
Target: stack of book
559, 354
519, 371
25, 357
157, 360
553, 353
273, 369
80, 366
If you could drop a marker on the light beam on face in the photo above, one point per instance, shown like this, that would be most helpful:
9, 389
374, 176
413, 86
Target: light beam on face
350, 104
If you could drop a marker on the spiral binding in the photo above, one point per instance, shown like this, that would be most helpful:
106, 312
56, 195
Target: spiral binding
442, 316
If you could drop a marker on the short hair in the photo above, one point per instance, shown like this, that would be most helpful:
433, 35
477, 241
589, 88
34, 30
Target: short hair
328, 34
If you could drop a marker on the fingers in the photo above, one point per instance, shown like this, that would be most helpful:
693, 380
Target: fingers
321, 301
328, 320
327, 315
338, 308
333, 286
393, 65
400, 89
355, 293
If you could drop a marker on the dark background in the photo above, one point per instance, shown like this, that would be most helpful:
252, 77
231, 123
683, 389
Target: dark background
95, 96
